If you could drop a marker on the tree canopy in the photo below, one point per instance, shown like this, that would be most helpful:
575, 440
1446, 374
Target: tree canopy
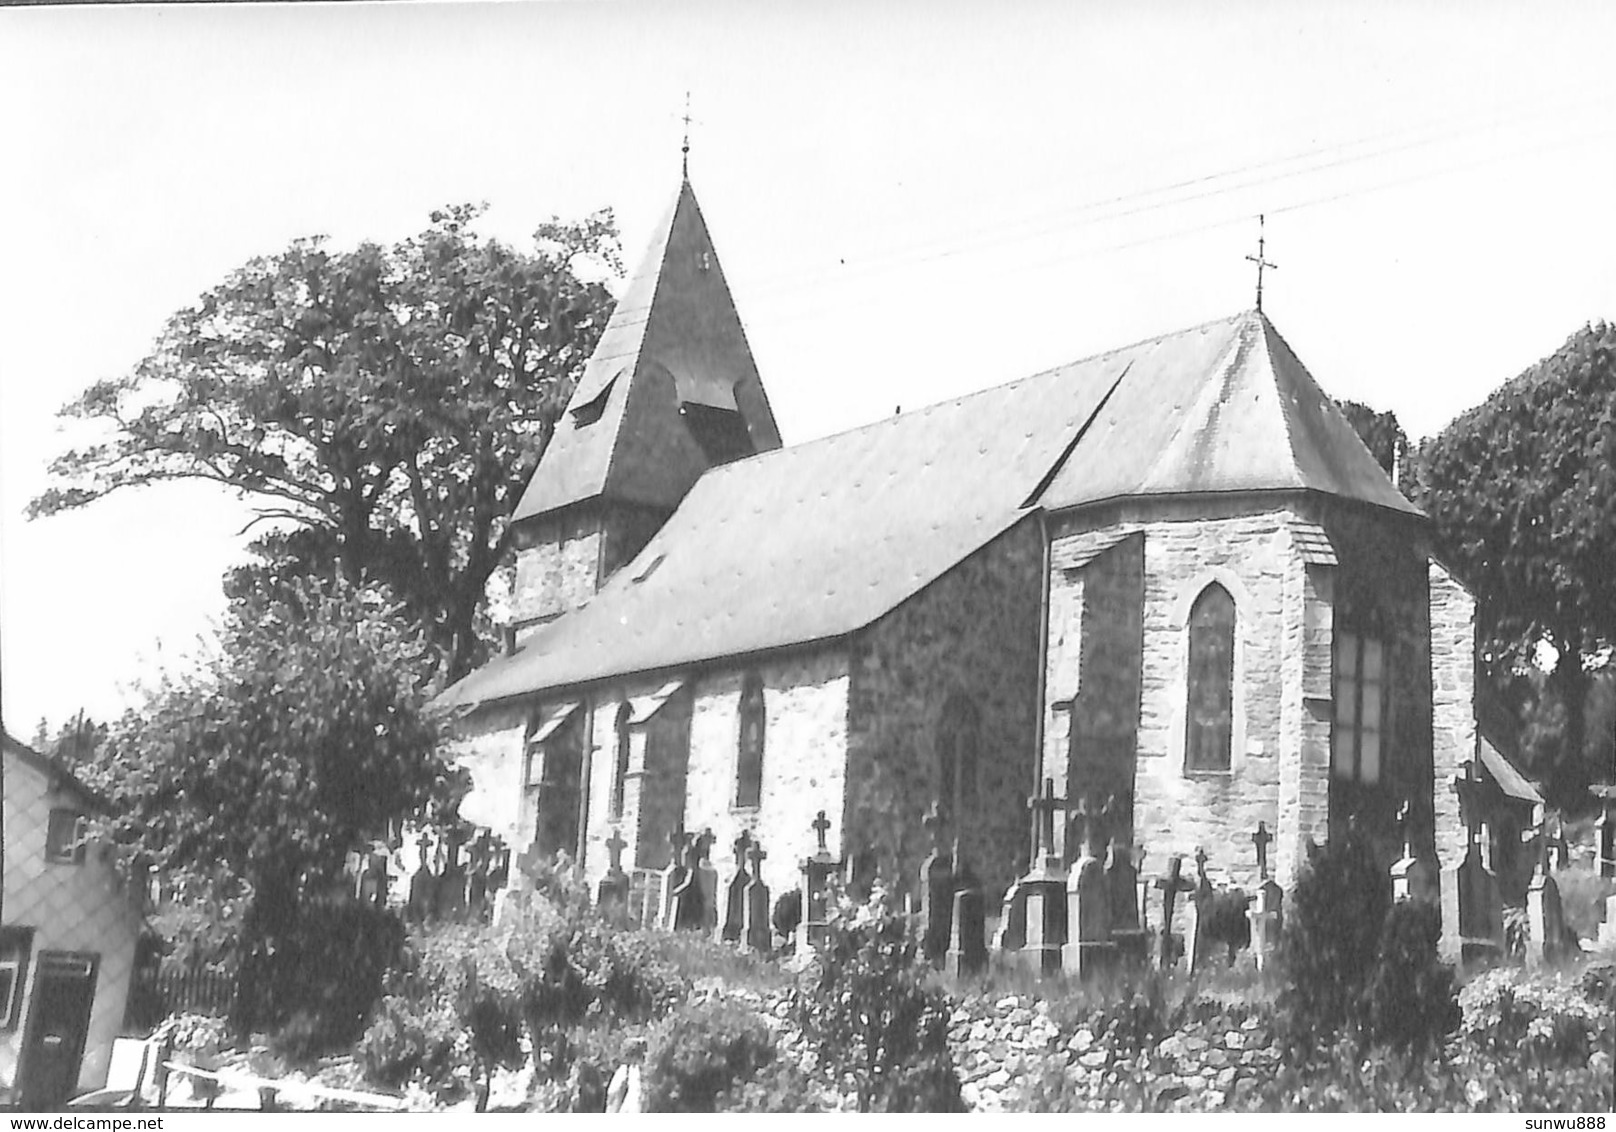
386, 404
1522, 492
1381, 433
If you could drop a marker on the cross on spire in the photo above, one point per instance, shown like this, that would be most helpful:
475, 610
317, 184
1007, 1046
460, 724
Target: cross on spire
684, 149
1260, 260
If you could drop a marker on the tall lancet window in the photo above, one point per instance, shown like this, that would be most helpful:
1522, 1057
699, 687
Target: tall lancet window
620, 763
749, 747
959, 746
1356, 744
1209, 721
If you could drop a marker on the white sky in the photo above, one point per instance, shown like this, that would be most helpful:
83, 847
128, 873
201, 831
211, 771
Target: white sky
911, 201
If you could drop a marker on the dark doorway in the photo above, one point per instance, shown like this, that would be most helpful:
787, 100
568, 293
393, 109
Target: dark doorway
58, 1023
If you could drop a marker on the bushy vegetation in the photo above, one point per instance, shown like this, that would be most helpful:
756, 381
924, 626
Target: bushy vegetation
702, 1050
873, 1015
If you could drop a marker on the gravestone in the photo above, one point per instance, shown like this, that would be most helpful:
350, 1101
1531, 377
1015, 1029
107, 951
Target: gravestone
756, 935
1011, 934
1412, 876
1045, 888
862, 873
1170, 884
1472, 916
816, 873
1088, 949
689, 906
1607, 928
611, 895
707, 877
477, 876
1545, 918
422, 905
1200, 935
1266, 913
1605, 831
665, 882
936, 889
735, 892
967, 944
452, 880
373, 877
1128, 931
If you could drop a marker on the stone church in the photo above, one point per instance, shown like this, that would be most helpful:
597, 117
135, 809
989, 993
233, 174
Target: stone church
1170, 574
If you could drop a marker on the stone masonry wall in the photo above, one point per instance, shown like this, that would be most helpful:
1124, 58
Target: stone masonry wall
1453, 689
1187, 547
973, 632
558, 564
488, 744
1381, 588
805, 713
1094, 658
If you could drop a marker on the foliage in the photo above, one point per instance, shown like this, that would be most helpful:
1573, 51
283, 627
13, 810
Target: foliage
787, 913
390, 403
411, 1038
871, 1016
700, 1051
254, 776
1381, 433
1330, 942
1410, 996
780, 1086
1540, 1019
1226, 921
1522, 493
1583, 893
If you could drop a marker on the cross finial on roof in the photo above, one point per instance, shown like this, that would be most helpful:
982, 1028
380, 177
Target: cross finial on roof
684, 149
1260, 260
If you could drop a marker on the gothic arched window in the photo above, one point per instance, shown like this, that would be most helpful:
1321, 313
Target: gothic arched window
1209, 720
620, 763
749, 746
959, 743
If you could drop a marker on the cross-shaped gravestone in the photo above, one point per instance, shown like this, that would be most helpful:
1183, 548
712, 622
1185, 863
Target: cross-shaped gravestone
1170, 884
1043, 806
1200, 866
821, 826
1469, 788
933, 823
743, 842
614, 848
1260, 839
755, 854
1405, 826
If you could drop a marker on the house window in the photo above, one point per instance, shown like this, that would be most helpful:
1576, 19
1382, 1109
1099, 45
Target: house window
65, 838
959, 740
1356, 742
1208, 725
15, 945
749, 746
620, 763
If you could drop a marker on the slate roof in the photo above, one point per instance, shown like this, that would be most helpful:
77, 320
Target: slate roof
674, 338
56, 772
818, 540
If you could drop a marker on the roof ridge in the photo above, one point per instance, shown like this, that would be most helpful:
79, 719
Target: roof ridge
889, 422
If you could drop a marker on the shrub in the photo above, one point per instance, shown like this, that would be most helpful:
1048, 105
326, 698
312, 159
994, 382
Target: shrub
1583, 893
1410, 997
410, 1039
1331, 938
871, 1017
700, 1051
780, 1086
1538, 1019
787, 913
1226, 920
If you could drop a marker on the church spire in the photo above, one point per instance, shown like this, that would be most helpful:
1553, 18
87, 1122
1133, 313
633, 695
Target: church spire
670, 391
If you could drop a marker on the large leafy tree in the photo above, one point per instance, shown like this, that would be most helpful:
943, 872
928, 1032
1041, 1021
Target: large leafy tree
257, 771
1381, 433
386, 405
1522, 490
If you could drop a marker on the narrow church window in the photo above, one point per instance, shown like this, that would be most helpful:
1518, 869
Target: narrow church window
749, 754
620, 763
959, 742
1208, 725
1359, 697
